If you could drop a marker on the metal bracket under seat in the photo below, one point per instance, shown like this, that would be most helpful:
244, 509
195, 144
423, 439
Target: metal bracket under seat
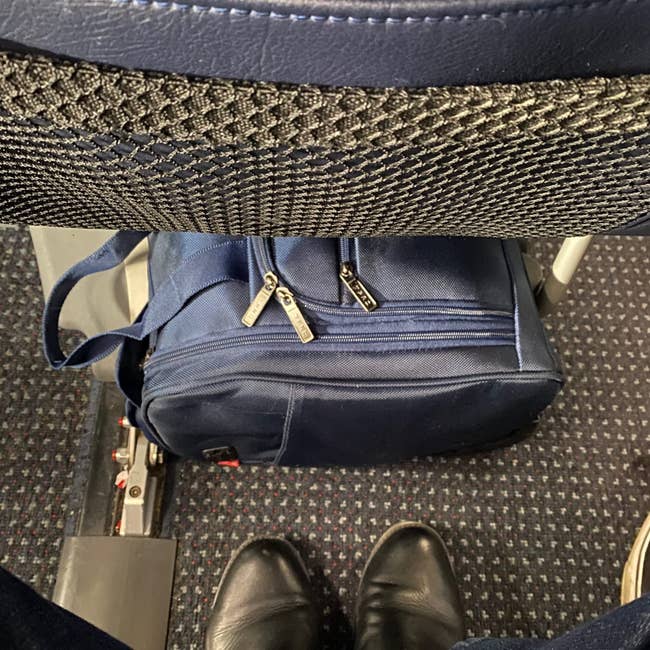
122, 581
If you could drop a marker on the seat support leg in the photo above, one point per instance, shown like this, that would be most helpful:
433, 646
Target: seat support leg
565, 265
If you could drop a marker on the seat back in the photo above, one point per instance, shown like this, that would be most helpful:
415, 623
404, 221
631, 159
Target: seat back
84, 144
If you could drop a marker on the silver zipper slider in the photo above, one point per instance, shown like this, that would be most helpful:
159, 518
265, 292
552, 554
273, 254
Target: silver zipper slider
356, 287
145, 360
261, 300
290, 306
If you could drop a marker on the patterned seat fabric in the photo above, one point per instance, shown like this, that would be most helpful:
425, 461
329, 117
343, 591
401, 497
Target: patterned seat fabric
441, 118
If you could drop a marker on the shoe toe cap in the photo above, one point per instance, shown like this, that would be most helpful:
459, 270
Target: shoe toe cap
264, 595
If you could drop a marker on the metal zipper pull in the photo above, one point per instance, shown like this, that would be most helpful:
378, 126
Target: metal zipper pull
356, 287
260, 301
145, 359
290, 306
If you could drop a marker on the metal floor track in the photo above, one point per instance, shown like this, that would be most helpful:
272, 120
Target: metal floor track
538, 532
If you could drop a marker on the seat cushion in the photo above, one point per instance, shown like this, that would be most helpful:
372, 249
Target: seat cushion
378, 43
640, 226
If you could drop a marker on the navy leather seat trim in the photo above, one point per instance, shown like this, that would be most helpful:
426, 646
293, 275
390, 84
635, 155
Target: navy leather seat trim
344, 42
640, 226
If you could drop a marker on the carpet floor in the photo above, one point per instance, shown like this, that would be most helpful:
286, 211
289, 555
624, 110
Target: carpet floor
538, 531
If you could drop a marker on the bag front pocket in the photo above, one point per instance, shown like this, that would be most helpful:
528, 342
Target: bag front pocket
455, 271
341, 278
247, 415
372, 424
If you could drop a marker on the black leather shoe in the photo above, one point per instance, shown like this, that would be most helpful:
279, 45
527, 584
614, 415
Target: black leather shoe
264, 601
408, 597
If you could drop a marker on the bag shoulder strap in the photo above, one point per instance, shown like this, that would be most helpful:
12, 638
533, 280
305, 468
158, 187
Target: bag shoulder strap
197, 272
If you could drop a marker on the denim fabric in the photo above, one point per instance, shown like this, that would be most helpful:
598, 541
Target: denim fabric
624, 628
30, 622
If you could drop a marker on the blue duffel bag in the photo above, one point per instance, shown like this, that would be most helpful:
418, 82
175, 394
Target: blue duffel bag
307, 351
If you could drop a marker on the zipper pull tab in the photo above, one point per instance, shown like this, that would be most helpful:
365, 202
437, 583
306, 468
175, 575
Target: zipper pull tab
290, 306
356, 287
260, 301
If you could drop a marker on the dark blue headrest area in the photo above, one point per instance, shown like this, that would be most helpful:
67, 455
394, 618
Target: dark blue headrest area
377, 43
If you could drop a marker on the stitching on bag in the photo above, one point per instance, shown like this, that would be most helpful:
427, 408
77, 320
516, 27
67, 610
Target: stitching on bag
525, 376
515, 301
188, 260
287, 424
372, 20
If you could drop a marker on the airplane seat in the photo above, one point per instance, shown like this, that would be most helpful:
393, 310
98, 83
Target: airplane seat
499, 118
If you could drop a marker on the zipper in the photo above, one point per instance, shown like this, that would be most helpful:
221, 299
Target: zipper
291, 309
261, 300
345, 252
145, 360
263, 254
263, 339
271, 287
351, 280
407, 311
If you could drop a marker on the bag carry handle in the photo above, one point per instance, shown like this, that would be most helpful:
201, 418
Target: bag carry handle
192, 276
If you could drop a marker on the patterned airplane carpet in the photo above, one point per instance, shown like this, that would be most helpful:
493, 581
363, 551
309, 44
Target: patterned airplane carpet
538, 531
43, 418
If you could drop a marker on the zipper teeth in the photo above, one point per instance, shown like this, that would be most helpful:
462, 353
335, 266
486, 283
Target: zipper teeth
264, 257
344, 249
415, 336
331, 338
451, 311
263, 248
